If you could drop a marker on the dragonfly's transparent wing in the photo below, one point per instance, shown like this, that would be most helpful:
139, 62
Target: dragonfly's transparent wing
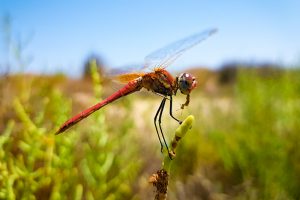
165, 56
124, 74
116, 71
125, 78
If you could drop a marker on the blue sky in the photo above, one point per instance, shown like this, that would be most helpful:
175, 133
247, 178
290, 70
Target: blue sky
64, 33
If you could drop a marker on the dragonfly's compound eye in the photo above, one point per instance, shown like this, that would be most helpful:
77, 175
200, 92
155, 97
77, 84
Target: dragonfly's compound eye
186, 83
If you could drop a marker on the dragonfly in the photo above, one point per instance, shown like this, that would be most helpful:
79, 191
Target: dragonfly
158, 81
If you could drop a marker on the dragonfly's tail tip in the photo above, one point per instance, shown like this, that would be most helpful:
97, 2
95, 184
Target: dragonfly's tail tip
59, 131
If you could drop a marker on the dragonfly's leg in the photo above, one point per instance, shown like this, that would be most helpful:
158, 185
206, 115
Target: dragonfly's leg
159, 122
171, 102
156, 115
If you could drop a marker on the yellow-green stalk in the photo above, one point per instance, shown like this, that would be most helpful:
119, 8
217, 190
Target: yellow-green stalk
179, 134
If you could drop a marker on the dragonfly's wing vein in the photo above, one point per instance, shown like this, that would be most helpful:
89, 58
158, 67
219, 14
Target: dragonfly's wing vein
167, 55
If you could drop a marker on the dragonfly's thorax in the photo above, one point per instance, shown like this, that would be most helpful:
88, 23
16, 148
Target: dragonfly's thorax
159, 81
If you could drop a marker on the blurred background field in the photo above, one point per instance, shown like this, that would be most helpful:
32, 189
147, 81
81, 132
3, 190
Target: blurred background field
244, 143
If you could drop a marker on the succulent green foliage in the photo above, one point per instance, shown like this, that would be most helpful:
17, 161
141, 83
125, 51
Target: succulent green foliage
87, 162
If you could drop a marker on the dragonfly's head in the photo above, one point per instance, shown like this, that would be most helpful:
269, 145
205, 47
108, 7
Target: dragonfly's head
186, 83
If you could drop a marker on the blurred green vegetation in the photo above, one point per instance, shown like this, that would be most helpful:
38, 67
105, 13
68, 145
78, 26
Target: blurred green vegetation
250, 150
87, 164
243, 145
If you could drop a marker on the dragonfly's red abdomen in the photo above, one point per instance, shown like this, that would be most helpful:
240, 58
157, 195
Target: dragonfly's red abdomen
129, 88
